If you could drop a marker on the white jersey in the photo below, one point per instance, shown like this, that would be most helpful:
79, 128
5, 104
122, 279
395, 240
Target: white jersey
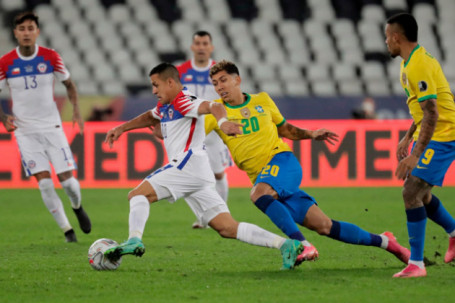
197, 79
181, 126
31, 84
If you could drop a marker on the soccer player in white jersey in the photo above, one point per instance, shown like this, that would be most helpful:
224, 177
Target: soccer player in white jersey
188, 174
28, 71
194, 75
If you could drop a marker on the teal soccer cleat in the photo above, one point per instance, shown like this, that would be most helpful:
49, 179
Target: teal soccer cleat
133, 246
289, 251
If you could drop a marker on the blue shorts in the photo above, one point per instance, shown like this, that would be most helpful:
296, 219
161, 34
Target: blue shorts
284, 174
434, 162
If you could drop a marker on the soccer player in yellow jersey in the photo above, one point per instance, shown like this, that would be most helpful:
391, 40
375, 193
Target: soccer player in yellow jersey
432, 107
275, 171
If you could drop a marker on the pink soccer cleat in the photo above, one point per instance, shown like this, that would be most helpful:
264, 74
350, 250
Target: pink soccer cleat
309, 253
450, 254
395, 248
411, 271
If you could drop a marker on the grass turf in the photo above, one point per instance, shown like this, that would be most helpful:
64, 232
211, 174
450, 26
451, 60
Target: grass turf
185, 265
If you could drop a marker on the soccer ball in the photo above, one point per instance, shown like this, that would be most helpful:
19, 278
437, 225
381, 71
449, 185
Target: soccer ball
96, 256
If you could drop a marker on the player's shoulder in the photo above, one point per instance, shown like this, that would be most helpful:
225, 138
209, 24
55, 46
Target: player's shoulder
260, 97
47, 52
184, 67
423, 58
9, 56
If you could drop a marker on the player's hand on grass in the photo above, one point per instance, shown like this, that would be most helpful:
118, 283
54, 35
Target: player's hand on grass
325, 135
112, 135
231, 128
8, 122
405, 166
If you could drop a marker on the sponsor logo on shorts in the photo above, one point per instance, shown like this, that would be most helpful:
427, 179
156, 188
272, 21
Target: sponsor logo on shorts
31, 164
421, 167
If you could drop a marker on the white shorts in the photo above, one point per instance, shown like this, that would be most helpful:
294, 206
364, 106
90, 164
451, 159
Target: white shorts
219, 156
172, 183
38, 149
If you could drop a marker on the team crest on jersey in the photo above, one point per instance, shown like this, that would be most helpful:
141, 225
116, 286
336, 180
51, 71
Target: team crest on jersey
16, 71
200, 79
31, 164
259, 109
245, 112
29, 69
42, 67
170, 113
423, 86
188, 78
403, 78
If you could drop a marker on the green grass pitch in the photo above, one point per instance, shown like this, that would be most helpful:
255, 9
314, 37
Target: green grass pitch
185, 265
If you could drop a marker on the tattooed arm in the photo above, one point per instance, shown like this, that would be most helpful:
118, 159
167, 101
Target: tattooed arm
428, 124
292, 132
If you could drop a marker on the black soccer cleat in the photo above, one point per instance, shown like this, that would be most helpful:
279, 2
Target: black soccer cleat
70, 236
84, 220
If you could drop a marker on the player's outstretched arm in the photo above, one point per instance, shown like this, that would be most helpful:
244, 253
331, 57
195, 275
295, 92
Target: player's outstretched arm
74, 100
144, 120
292, 132
219, 112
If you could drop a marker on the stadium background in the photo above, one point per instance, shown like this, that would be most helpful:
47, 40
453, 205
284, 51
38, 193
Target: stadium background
319, 59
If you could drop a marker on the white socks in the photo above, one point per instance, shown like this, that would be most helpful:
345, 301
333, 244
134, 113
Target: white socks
385, 241
139, 213
222, 187
53, 203
73, 191
255, 235
420, 264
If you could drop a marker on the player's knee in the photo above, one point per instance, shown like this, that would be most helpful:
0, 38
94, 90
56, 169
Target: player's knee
228, 231
408, 194
135, 193
322, 227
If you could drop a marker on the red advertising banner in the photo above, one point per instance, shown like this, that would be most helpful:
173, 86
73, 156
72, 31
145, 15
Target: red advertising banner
364, 156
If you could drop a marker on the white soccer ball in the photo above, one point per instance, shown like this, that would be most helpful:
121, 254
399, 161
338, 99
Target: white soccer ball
96, 256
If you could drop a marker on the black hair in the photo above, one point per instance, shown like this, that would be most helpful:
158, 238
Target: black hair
202, 34
23, 16
408, 25
165, 71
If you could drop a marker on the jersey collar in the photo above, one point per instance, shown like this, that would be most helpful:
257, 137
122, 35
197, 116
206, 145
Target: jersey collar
29, 57
201, 69
410, 55
248, 98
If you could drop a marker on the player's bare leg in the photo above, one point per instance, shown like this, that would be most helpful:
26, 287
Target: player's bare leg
54, 204
73, 191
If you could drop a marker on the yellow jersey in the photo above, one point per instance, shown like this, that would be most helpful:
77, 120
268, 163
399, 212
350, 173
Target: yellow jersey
259, 142
422, 79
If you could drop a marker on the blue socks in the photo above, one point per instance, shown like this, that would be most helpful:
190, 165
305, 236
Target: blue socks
279, 215
416, 222
436, 212
350, 233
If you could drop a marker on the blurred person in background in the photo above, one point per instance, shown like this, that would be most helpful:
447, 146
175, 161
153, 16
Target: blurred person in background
29, 71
